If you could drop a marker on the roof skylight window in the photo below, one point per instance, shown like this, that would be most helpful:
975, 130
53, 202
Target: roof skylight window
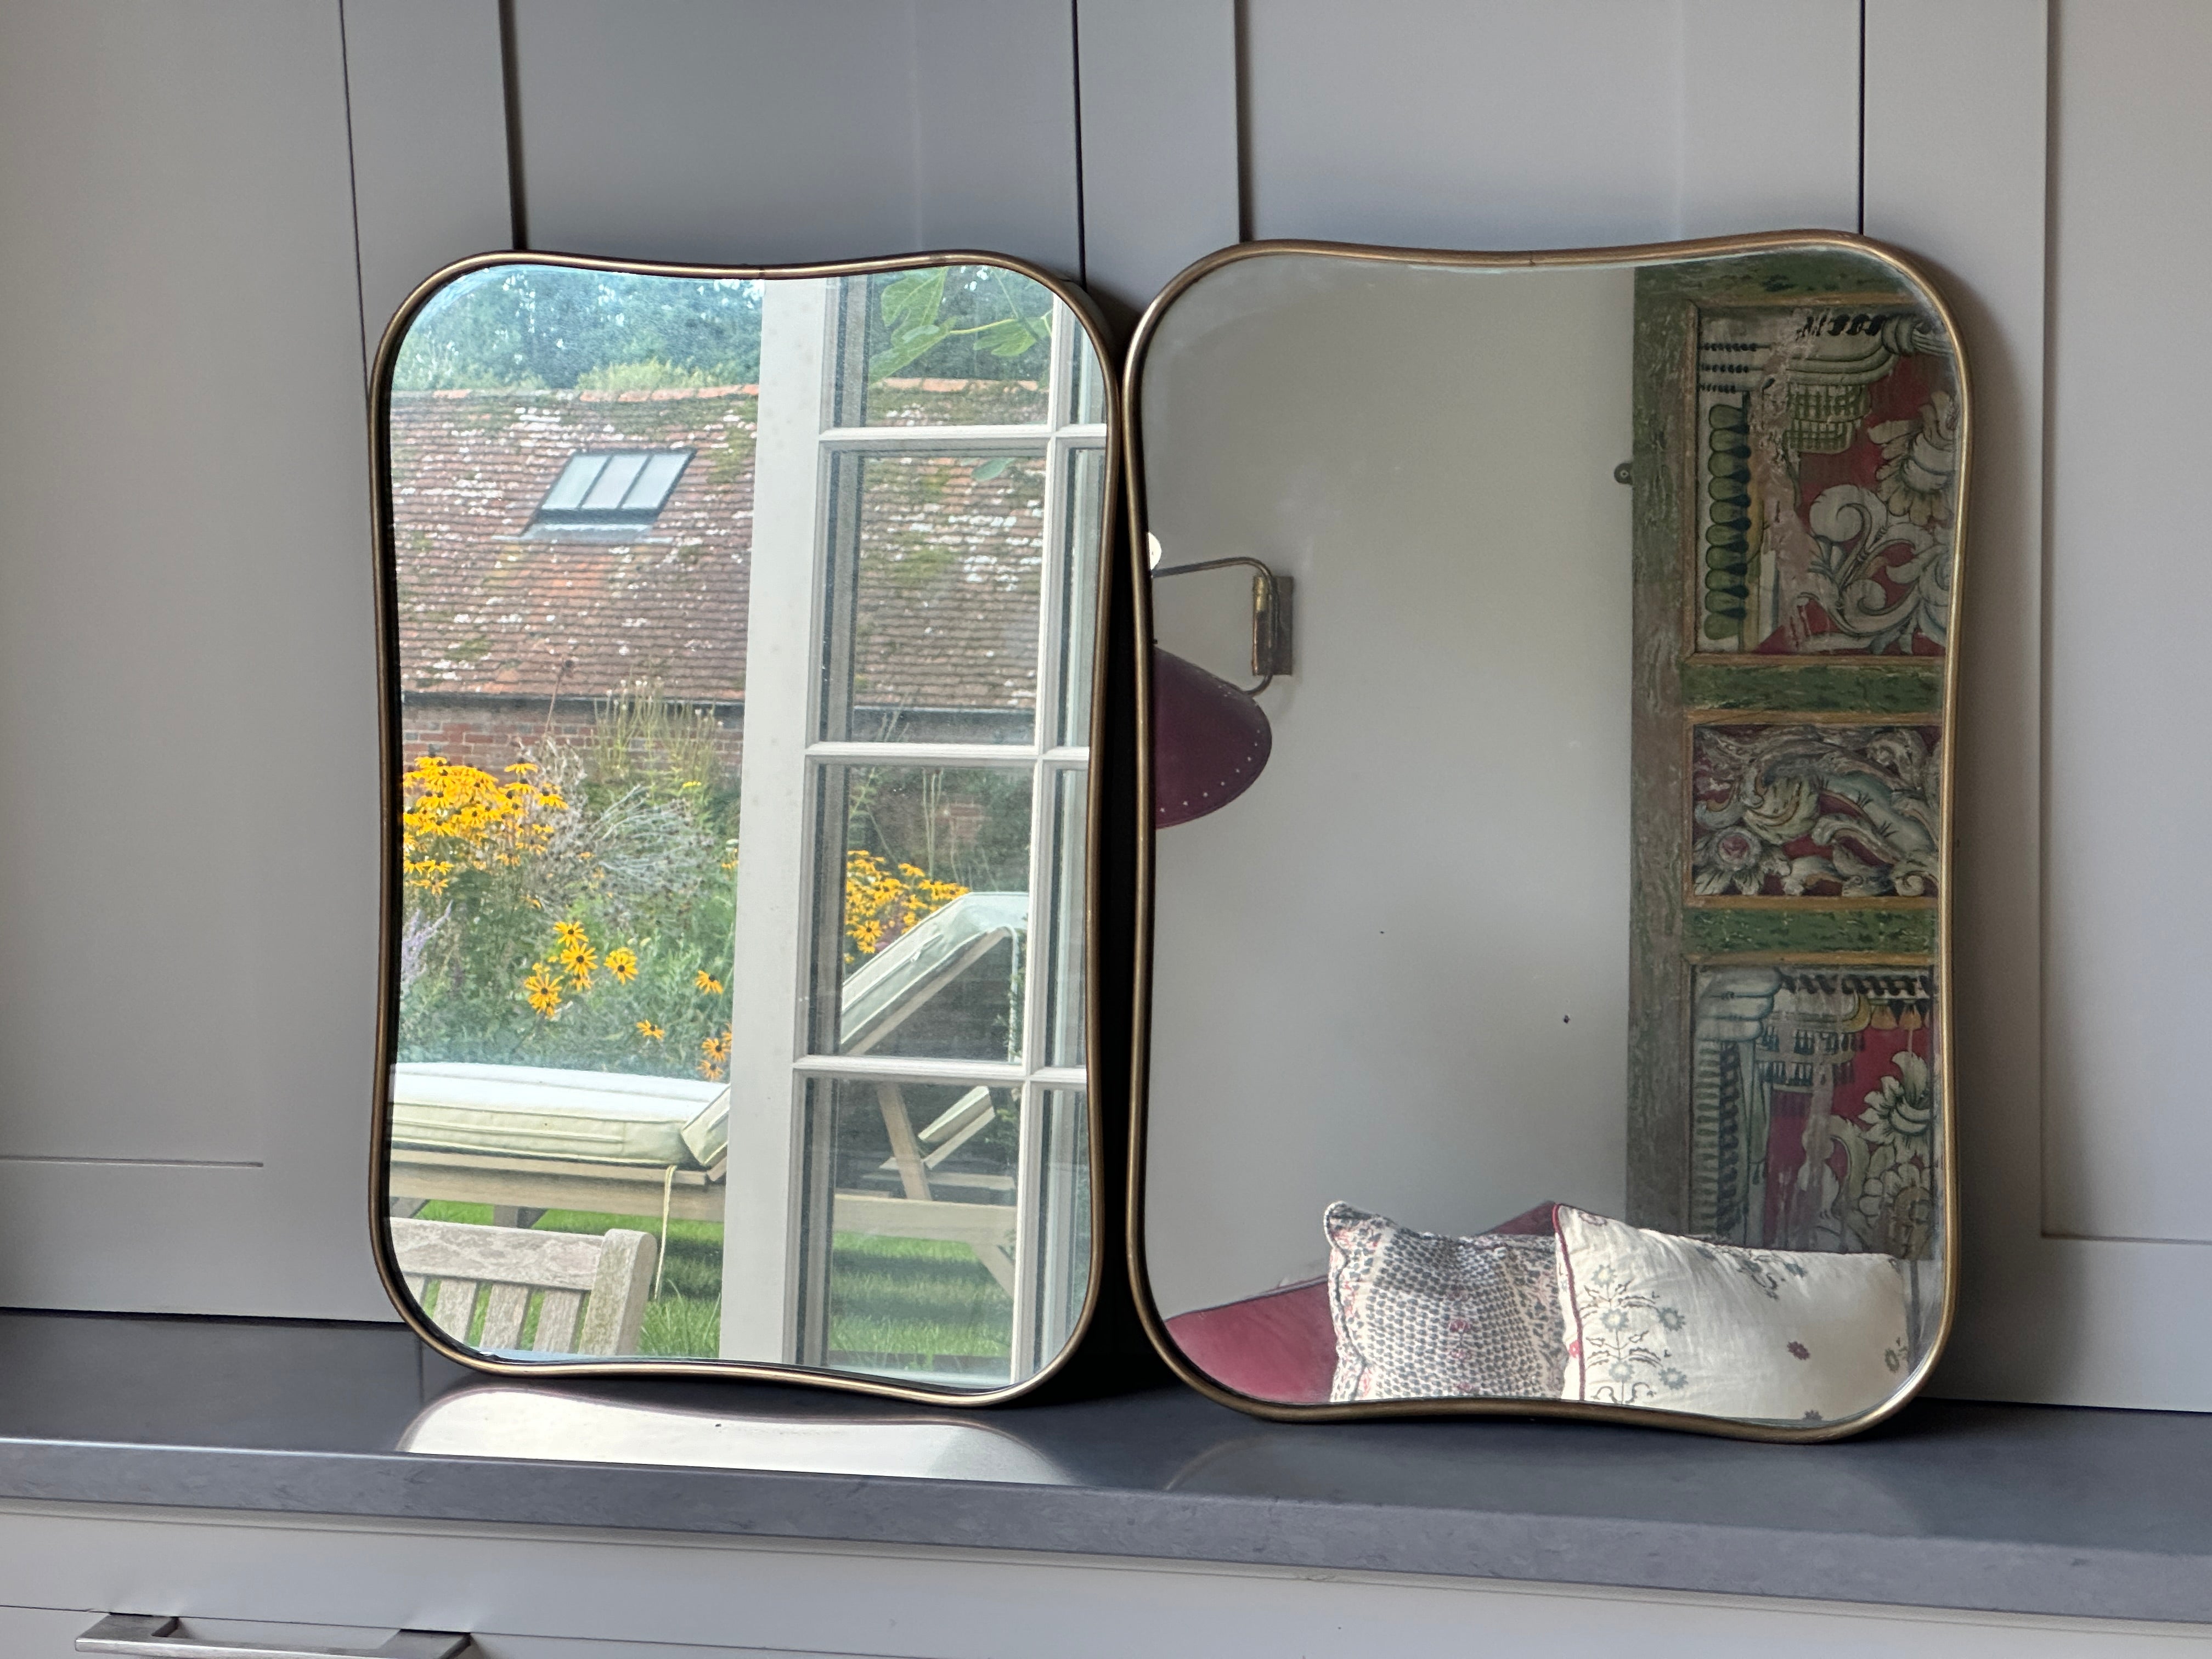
603, 491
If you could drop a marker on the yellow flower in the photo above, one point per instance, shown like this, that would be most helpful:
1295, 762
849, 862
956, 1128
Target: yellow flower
881, 904
455, 815
543, 989
578, 957
622, 963
716, 1050
706, 982
653, 1033
430, 875
570, 934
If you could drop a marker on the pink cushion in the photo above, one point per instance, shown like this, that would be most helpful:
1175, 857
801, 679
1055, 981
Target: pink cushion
1280, 1346
1538, 1220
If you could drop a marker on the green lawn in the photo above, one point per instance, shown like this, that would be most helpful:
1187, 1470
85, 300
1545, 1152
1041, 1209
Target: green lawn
916, 1304
906, 1304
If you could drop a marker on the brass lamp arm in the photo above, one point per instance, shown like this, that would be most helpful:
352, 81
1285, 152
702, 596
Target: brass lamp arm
1271, 616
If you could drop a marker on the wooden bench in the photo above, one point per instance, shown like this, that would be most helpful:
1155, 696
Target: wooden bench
591, 1292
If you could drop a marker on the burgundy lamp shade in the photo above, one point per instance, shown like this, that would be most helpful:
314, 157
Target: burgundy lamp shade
1209, 741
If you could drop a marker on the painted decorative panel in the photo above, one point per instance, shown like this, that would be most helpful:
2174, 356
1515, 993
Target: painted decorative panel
1796, 476
1813, 1106
1795, 808
1831, 457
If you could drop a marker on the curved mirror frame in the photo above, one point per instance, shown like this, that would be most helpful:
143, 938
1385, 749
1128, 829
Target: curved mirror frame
871, 947
1205, 738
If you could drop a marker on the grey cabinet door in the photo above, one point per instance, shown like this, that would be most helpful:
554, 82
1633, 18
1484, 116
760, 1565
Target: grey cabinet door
551, 1594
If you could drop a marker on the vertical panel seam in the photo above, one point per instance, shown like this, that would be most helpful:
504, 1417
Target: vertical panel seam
2045, 562
353, 189
1239, 68
510, 85
1075, 78
1862, 118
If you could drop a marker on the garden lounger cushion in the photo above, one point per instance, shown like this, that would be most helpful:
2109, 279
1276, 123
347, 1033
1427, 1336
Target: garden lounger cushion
528, 1111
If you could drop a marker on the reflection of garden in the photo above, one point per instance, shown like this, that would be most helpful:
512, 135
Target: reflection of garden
916, 1304
908, 1304
574, 910
567, 908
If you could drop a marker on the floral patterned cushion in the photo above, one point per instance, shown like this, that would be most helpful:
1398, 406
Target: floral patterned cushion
1676, 1323
1420, 1316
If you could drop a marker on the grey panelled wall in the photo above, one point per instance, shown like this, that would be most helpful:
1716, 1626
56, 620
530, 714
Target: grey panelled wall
1555, 125
2128, 700
228, 202
1160, 187
2083, 965
187, 686
428, 113
771, 133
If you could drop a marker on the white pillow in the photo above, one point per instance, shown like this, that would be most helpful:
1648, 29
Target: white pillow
1654, 1320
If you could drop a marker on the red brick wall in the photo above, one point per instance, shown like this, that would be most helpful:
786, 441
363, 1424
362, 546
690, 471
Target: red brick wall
491, 733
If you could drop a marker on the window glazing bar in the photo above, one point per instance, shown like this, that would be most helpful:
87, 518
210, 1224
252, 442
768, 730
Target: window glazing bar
942, 440
911, 1068
923, 754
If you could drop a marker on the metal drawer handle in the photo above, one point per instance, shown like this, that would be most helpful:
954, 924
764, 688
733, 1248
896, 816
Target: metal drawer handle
153, 1636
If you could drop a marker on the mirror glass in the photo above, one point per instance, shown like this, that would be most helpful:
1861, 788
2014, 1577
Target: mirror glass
740, 652
1548, 682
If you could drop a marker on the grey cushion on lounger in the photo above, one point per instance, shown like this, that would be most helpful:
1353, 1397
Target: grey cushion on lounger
531, 1111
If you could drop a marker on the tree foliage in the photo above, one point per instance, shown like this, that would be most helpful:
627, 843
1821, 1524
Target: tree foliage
968, 322
552, 326
555, 326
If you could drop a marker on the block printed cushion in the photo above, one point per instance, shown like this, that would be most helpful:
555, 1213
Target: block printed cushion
1675, 1323
1422, 1317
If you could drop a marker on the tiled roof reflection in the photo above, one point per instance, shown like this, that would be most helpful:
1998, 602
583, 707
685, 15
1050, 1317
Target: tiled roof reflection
948, 582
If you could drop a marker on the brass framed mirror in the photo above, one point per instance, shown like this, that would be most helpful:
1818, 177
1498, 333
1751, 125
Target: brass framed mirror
1545, 992
738, 641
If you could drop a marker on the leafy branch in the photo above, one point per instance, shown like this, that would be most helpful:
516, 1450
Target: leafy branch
913, 308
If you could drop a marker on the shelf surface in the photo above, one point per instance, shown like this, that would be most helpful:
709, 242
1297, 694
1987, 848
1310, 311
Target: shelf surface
2016, 1508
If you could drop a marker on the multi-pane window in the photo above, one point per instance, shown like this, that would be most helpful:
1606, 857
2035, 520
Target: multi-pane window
612, 491
937, 1078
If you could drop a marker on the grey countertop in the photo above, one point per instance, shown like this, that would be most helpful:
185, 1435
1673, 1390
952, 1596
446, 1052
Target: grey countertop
2017, 1509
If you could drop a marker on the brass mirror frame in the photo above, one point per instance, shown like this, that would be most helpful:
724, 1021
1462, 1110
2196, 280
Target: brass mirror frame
1100, 338
1650, 254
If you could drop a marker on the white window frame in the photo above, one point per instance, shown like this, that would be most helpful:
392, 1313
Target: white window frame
771, 1066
